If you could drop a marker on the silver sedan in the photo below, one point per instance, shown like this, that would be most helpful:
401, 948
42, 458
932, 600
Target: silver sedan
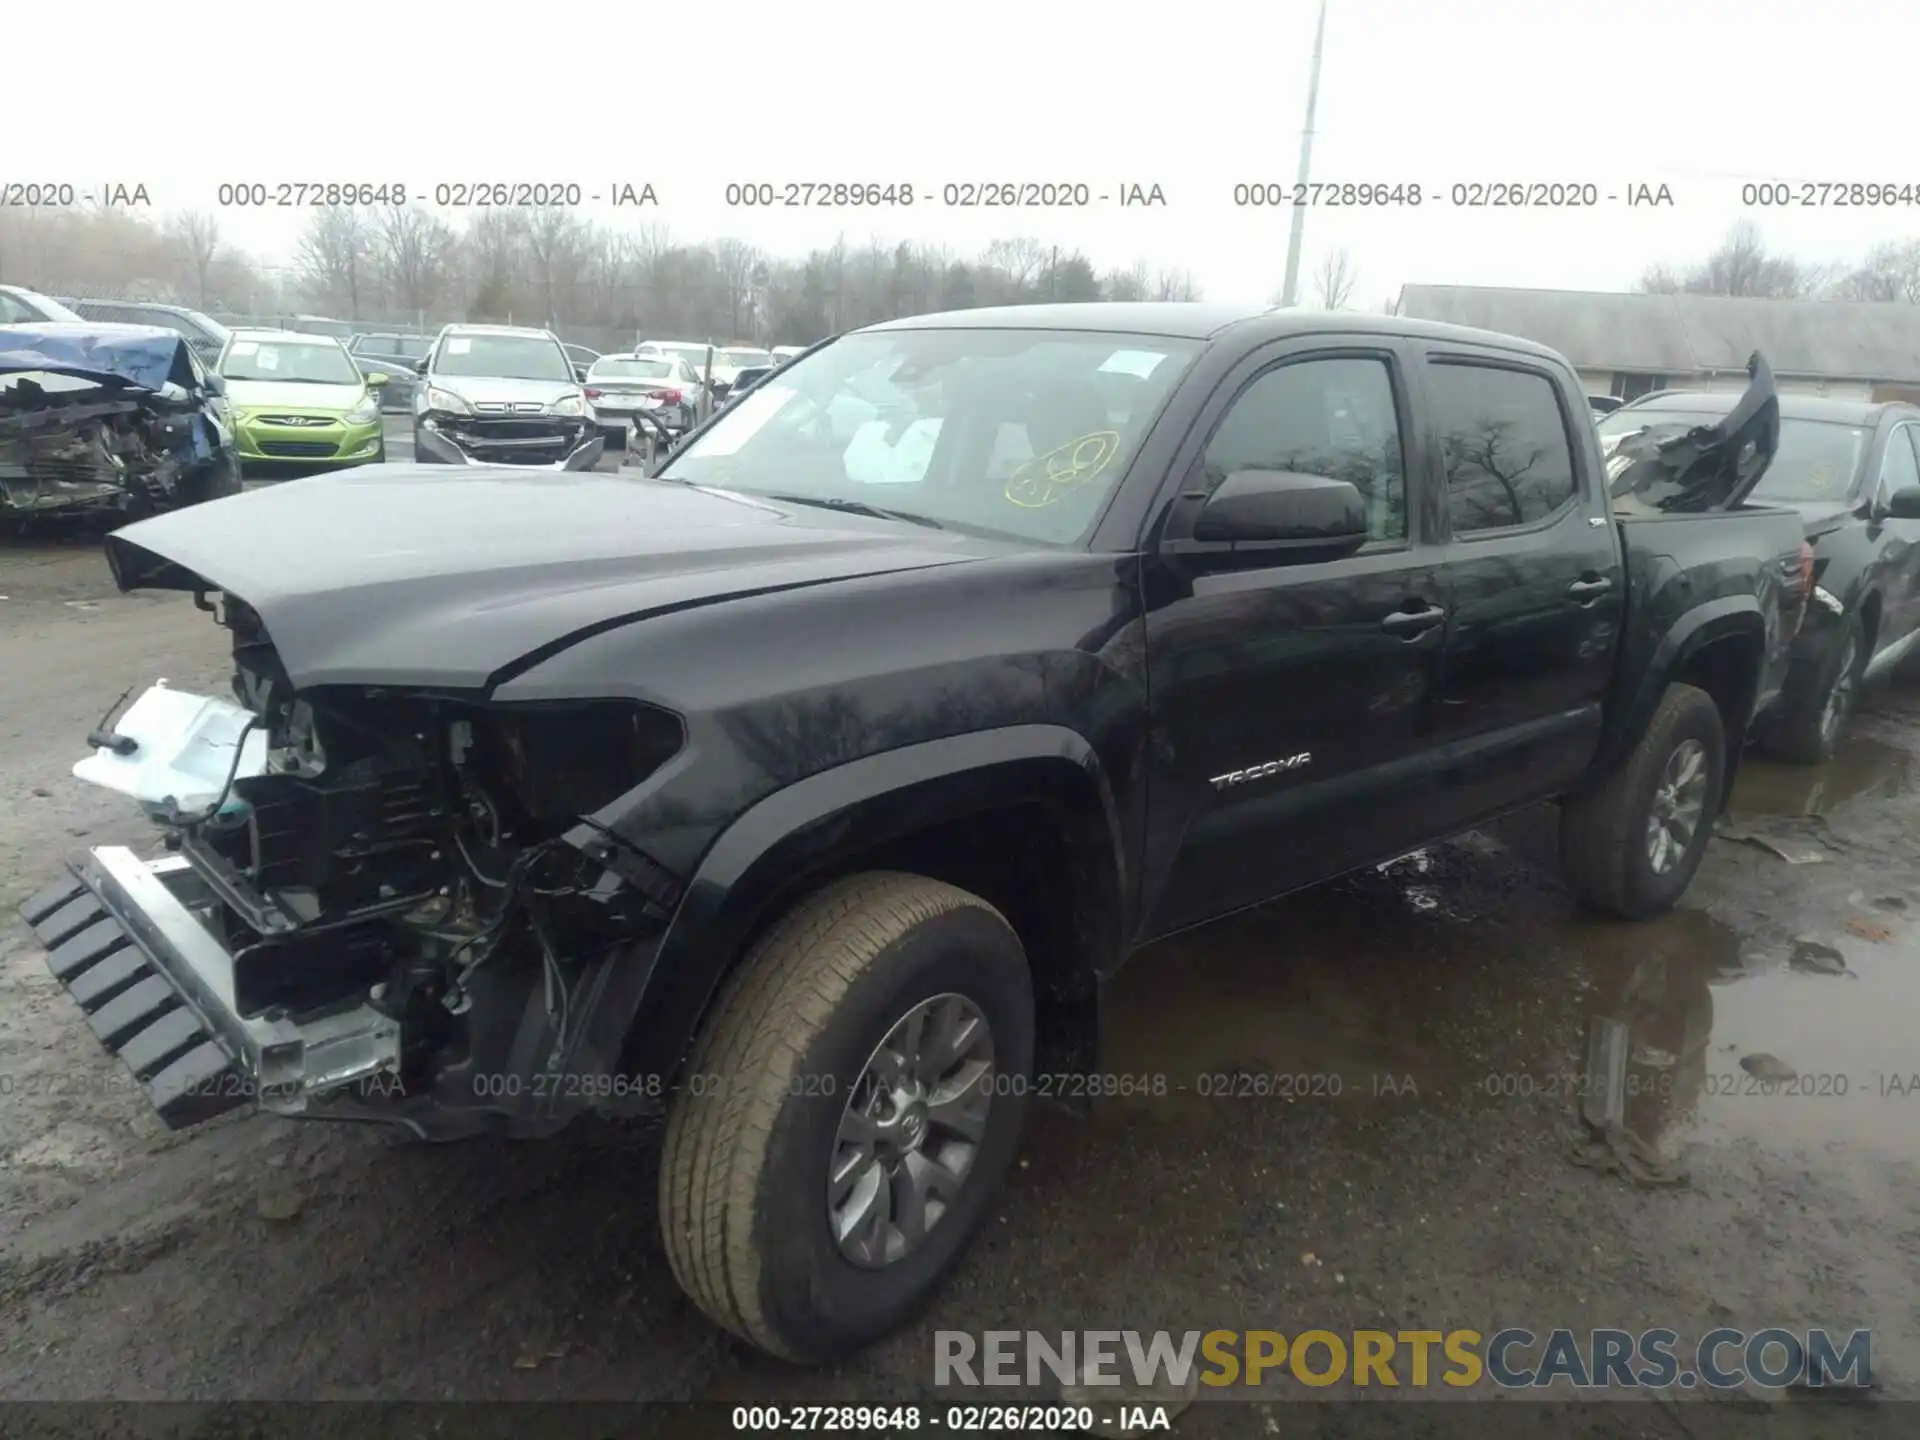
662, 385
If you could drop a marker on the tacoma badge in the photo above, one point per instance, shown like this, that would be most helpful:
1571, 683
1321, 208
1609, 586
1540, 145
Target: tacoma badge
1260, 772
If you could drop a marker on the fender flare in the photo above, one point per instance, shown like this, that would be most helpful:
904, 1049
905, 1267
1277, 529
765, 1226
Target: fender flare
801, 829
1730, 617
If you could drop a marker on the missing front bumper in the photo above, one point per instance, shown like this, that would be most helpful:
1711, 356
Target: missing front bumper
125, 937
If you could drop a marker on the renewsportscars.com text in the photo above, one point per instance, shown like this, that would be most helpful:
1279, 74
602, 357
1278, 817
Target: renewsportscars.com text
1509, 1359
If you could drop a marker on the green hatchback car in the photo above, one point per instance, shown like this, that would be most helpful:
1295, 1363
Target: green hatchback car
300, 403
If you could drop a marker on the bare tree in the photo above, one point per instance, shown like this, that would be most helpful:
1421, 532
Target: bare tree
558, 241
1393, 304
1740, 265
1488, 449
196, 236
414, 252
1133, 283
1175, 285
1889, 273
1022, 259
1334, 280
601, 285
334, 259
736, 261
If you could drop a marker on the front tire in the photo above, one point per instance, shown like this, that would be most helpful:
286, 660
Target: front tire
818, 1116
1813, 717
1631, 844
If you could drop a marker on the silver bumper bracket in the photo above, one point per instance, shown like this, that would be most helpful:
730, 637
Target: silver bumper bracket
125, 937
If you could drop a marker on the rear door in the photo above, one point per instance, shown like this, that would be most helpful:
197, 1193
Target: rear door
1533, 575
1291, 703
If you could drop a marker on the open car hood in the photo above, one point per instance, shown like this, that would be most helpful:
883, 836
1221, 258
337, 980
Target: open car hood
1677, 469
425, 577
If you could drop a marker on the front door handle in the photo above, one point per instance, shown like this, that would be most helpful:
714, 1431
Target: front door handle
1411, 624
1588, 590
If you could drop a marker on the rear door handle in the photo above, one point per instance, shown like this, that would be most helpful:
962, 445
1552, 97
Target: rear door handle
1411, 624
1589, 589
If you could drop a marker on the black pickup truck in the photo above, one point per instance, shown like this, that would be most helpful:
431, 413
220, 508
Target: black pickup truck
808, 790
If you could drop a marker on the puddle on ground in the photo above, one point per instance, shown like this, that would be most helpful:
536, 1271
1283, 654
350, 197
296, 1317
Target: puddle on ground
1861, 768
1794, 1046
1349, 996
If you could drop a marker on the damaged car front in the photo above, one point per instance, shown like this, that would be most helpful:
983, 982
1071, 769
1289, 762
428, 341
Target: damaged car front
114, 418
402, 879
496, 395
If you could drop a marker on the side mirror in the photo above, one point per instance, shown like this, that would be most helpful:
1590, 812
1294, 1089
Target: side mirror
1285, 510
1904, 504
378, 378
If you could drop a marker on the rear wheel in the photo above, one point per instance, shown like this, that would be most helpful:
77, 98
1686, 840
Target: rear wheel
1813, 714
847, 1116
1631, 844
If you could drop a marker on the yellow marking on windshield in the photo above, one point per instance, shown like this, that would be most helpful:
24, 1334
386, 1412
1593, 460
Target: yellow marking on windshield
1048, 478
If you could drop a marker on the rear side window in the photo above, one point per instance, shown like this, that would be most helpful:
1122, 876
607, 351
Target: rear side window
1333, 417
1508, 457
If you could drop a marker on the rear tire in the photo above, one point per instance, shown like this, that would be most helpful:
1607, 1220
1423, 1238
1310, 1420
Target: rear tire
1610, 846
803, 1028
1812, 719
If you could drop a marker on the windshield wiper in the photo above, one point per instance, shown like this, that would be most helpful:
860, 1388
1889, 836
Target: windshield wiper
856, 507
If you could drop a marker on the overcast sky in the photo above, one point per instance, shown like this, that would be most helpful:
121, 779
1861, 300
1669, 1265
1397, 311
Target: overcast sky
1195, 97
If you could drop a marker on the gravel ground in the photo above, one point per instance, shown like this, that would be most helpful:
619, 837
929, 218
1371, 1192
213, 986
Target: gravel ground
1442, 1186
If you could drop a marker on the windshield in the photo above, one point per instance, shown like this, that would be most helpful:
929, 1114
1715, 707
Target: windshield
1817, 459
744, 359
638, 369
503, 357
1021, 433
306, 362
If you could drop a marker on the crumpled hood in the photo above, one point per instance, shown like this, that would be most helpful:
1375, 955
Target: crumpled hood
1687, 468
492, 389
422, 576
140, 355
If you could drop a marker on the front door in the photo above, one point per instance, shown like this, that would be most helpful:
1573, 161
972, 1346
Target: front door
1291, 703
1533, 568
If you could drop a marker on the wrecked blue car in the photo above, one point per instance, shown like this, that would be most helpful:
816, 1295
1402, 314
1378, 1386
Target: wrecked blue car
122, 419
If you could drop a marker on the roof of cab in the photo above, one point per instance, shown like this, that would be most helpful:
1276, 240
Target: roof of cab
1201, 320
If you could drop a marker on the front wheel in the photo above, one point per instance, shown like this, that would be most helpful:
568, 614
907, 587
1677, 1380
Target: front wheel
1630, 845
848, 1115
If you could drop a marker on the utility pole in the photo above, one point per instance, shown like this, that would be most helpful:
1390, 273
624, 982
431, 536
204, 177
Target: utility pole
1290, 291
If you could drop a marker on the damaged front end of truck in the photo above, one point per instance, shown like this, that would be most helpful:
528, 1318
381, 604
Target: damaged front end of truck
376, 902
106, 419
